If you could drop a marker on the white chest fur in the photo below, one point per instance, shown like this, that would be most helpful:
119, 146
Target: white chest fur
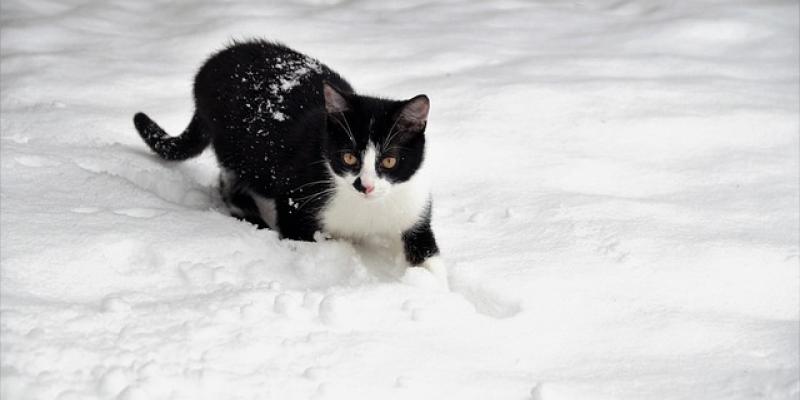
350, 214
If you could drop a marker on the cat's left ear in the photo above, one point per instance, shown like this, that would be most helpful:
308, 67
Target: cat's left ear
414, 114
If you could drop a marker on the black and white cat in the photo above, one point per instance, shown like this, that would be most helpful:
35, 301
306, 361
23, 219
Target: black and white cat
301, 153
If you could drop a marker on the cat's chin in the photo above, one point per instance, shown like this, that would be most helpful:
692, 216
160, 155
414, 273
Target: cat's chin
373, 196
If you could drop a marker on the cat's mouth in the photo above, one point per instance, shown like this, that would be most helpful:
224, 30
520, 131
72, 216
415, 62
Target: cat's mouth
372, 194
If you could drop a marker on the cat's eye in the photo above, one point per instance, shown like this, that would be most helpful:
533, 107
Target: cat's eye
349, 159
389, 162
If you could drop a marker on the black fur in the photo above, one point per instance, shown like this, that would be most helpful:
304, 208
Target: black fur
419, 243
263, 107
190, 143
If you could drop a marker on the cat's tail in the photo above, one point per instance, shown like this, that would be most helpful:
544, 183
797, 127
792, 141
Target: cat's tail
194, 139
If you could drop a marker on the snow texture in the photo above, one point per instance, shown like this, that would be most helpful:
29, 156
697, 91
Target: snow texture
616, 199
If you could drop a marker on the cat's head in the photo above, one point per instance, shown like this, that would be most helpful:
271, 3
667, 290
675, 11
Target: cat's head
373, 144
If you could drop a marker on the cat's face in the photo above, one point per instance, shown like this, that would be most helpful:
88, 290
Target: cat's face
373, 144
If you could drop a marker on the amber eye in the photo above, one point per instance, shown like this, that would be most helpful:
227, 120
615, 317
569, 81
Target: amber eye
389, 162
349, 159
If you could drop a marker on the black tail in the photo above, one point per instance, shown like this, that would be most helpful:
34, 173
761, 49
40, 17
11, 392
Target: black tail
190, 143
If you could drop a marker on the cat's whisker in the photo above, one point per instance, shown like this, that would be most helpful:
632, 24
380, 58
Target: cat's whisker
307, 196
349, 131
390, 136
310, 183
316, 193
315, 196
305, 199
346, 128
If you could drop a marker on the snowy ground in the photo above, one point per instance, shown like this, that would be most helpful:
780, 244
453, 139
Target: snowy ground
616, 197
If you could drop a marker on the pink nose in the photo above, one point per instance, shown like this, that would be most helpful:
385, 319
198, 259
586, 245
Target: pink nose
368, 189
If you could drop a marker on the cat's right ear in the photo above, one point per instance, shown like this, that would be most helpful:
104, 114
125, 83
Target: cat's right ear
335, 102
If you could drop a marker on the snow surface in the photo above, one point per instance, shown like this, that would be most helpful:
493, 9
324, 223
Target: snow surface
616, 200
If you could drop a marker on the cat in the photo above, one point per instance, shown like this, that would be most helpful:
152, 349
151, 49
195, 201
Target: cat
300, 152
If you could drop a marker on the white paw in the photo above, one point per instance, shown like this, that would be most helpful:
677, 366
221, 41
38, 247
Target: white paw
432, 273
438, 269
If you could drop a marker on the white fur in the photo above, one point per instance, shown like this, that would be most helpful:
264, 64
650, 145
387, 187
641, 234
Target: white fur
267, 210
431, 275
438, 269
369, 177
389, 210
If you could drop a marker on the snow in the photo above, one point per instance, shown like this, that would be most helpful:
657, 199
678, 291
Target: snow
616, 199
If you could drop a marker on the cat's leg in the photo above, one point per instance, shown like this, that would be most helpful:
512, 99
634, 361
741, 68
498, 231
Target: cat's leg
238, 199
419, 246
294, 221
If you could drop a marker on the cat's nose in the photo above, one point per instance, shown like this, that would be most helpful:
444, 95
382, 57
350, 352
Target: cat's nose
361, 187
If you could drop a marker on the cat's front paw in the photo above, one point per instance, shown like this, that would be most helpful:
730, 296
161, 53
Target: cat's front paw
438, 269
431, 273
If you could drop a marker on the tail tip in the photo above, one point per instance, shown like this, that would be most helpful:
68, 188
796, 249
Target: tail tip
140, 121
